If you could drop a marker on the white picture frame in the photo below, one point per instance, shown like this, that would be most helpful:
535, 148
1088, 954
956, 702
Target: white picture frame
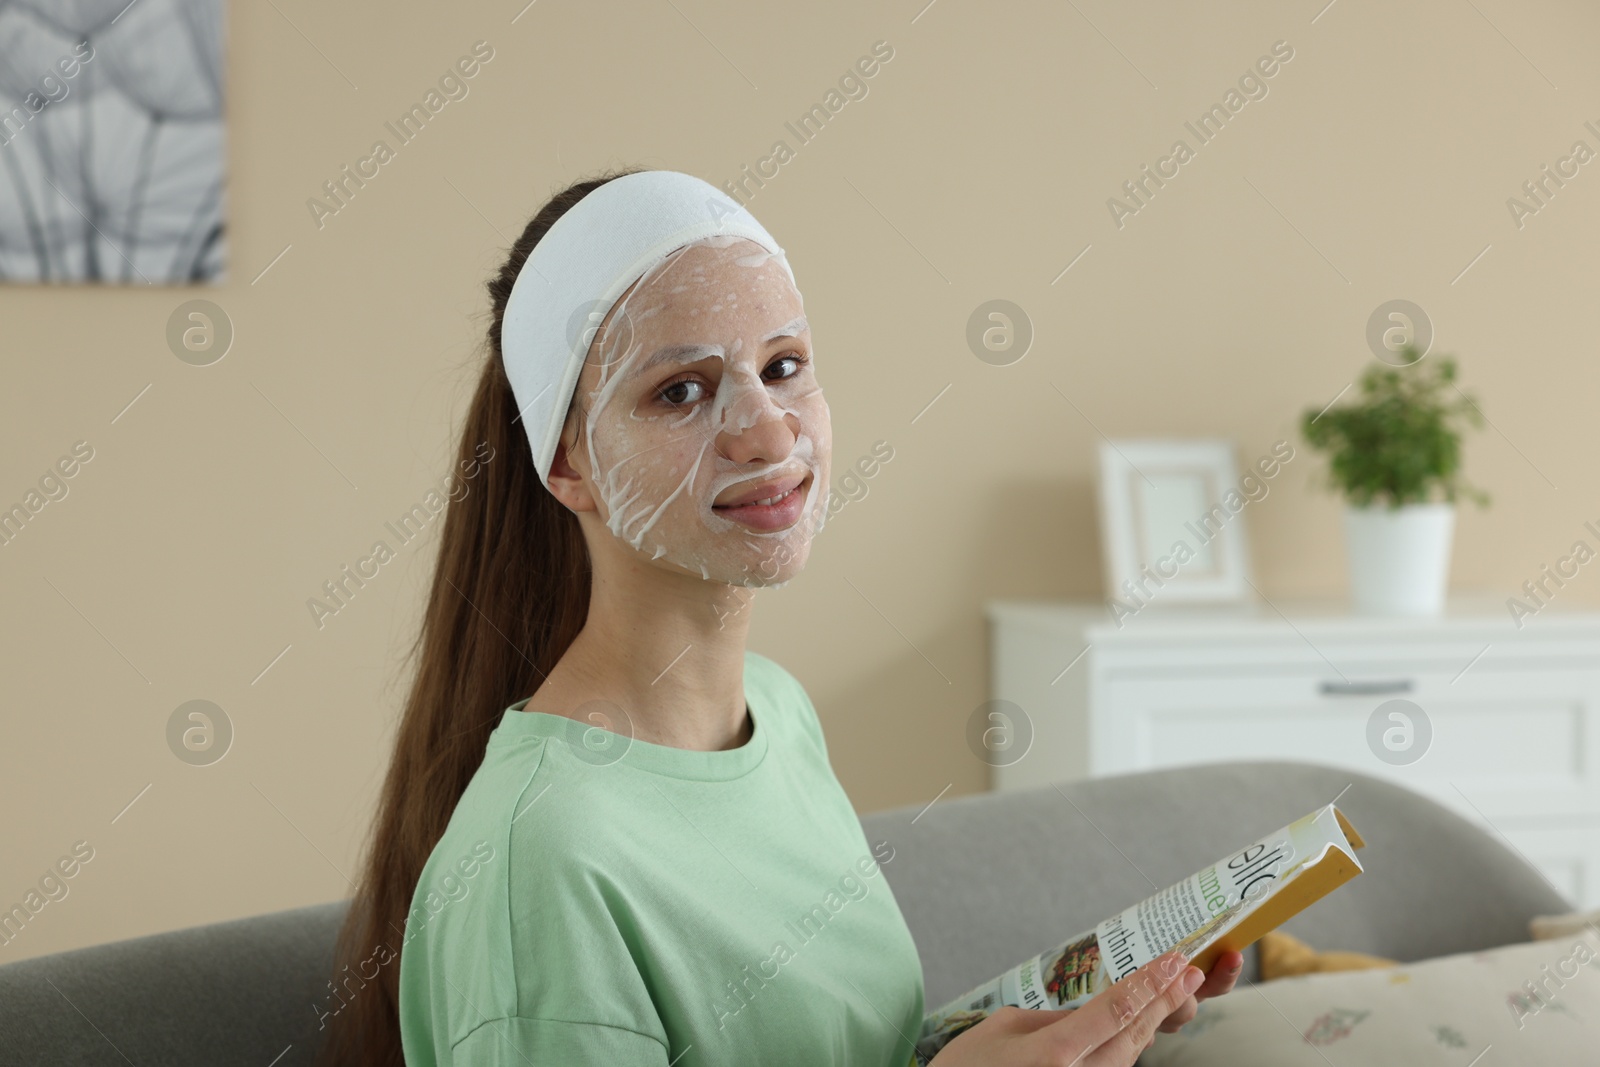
1159, 493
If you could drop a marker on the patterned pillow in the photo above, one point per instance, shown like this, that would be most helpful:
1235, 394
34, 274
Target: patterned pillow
1536, 1003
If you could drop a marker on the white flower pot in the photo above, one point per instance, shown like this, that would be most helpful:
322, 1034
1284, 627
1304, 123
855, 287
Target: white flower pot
1399, 559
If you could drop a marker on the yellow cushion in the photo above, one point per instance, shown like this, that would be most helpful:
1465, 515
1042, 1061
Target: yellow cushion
1283, 956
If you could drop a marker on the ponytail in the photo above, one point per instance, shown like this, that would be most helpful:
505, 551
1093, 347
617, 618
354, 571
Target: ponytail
510, 593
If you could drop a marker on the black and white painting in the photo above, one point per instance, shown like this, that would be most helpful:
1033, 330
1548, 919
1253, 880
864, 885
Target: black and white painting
112, 153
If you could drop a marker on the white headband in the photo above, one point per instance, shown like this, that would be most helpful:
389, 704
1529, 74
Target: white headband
582, 265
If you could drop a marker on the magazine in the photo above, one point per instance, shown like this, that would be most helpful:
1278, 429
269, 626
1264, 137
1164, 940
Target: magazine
1227, 905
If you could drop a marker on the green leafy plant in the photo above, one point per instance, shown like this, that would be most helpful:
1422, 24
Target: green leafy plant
1399, 442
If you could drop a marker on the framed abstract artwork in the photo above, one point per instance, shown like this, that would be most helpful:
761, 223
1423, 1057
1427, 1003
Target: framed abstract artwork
112, 159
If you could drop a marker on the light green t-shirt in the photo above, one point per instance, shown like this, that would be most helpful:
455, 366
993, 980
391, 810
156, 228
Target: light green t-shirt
600, 901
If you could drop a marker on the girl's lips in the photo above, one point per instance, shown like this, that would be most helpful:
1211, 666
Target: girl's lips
779, 515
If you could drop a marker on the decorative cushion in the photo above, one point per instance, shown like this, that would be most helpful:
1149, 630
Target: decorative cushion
1547, 927
1282, 955
1536, 1003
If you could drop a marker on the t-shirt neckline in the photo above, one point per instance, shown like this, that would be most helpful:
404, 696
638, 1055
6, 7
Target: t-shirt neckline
606, 748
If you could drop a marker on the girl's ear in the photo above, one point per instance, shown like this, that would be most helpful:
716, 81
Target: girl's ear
567, 484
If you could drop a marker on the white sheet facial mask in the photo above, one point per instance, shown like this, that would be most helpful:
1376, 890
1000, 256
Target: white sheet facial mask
700, 385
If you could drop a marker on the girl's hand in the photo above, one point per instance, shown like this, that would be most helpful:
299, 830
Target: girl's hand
1111, 1030
1224, 972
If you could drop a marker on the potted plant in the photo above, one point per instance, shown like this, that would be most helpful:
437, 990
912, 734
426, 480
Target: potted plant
1395, 454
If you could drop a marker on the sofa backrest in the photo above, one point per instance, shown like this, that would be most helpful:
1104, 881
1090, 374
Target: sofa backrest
984, 881
243, 992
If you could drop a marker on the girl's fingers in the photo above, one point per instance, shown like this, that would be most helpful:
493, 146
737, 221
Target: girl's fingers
1125, 1046
1030, 1019
1174, 1022
1224, 973
1123, 1017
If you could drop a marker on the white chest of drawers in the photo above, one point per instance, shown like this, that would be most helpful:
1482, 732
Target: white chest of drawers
1514, 714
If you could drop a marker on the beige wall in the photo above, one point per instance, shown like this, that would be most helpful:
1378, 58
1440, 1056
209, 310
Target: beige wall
977, 167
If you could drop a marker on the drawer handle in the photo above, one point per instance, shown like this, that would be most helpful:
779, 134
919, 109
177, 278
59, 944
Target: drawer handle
1366, 689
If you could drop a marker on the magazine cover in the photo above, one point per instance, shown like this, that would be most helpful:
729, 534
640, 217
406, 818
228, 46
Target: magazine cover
1227, 905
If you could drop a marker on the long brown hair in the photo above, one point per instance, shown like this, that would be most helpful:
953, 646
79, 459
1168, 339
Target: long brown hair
510, 593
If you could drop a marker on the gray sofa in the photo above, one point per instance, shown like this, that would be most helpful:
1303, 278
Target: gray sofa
984, 881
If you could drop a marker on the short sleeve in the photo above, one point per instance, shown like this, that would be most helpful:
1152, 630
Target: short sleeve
518, 1042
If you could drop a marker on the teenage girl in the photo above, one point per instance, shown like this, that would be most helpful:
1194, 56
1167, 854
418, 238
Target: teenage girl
610, 833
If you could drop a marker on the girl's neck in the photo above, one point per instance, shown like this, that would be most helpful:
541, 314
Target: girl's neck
668, 653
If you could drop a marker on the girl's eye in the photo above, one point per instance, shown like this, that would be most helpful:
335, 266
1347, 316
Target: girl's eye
799, 359
671, 393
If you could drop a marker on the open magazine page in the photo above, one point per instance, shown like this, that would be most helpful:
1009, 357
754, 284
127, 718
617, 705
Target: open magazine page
1192, 916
